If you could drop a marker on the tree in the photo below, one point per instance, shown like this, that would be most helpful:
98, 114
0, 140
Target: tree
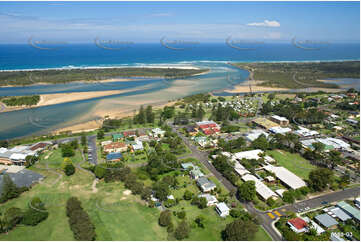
270, 202
188, 195
165, 218
247, 190
288, 197
99, 172
68, 167
182, 231
100, 134
10, 190
320, 178
235, 213
318, 146
83, 140
240, 230
12, 217
149, 114
202, 203
67, 150
181, 214
36, 212
260, 143
161, 190
200, 221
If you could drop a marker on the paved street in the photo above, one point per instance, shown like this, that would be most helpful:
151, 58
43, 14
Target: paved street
92, 144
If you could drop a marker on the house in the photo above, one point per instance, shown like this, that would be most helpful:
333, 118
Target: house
222, 209
205, 184
298, 225
208, 127
115, 147
158, 133
240, 169
143, 136
264, 123
114, 156
335, 237
347, 208
211, 200
280, 120
314, 225
304, 132
279, 130
270, 179
130, 133
38, 147
286, 177
254, 134
339, 213
262, 190
117, 137
326, 221
280, 192
330, 143
196, 173
107, 142
138, 145
249, 155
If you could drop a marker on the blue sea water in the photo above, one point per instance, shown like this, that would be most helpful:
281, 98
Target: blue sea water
211, 56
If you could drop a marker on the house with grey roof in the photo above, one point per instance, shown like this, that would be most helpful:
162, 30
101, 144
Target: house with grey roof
347, 208
205, 185
326, 221
340, 214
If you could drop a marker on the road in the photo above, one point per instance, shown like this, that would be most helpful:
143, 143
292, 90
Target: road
329, 198
265, 221
92, 145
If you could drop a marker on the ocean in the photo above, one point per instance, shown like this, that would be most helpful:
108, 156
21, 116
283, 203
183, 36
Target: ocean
149, 90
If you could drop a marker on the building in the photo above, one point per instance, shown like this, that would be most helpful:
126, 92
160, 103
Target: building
357, 202
130, 133
298, 225
264, 123
314, 225
262, 190
339, 213
280, 192
138, 145
347, 208
205, 185
249, 155
107, 142
115, 147
211, 200
280, 130
280, 120
285, 176
208, 127
326, 221
191, 130
304, 132
195, 171
241, 170
158, 133
222, 209
117, 137
254, 134
114, 156
330, 143
270, 179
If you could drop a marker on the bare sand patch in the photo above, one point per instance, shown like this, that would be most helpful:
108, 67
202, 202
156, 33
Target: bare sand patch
255, 86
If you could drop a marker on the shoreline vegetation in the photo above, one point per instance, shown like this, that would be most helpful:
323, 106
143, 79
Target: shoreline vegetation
299, 75
61, 76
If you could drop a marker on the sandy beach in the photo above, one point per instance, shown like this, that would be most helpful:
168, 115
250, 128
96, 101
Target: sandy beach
52, 99
245, 87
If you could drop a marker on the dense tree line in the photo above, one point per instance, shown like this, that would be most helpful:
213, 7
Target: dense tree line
223, 166
20, 101
68, 149
220, 113
144, 116
79, 220
243, 228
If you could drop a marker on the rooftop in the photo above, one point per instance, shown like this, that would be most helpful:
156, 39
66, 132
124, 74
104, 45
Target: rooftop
264, 191
349, 209
298, 223
326, 220
286, 176
249, 155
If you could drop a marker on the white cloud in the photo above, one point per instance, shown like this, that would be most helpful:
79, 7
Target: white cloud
266, 23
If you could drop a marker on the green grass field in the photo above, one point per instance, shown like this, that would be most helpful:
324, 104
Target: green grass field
293, 162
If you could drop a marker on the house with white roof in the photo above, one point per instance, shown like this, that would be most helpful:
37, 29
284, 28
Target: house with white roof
304, 132
222, 209
254, 134
249, 155
240, 169
279, 130
138, 145
285, 176
264, 191
280, 120
211, 200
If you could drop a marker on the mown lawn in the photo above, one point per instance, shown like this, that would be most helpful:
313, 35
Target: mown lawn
293, 162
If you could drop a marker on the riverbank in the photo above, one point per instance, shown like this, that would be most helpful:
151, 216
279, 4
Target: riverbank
52, 99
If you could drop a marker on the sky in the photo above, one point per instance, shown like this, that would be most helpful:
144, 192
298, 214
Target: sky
81, 22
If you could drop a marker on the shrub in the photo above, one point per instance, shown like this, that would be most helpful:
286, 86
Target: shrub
187, 195
36, 212
182, 231
181, 214
165, 218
